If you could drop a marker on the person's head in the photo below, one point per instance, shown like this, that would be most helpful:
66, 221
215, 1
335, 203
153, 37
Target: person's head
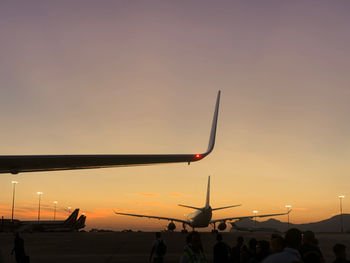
309, 238
158, 235
276, 243
195, 241
292, 238
339, 251
240, 240
188, 239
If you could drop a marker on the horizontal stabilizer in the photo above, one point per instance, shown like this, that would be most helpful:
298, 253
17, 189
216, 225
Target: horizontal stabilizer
192, 207
244, 217
224, 207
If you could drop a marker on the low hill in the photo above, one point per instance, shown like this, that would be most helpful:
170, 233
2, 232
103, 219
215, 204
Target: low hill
332, 224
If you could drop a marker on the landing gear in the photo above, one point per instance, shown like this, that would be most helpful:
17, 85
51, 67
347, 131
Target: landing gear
214, 231
184, 230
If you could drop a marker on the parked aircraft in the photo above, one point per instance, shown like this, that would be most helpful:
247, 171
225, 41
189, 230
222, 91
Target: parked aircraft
68, 225
202, 216
33, 163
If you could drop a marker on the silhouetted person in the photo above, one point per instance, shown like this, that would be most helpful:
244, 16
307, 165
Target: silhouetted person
290, 253
340, 254
276, 243
158, 249
188, 242
18, 249
252, 247
236, 250
1, 257
193, 252
309, 249
262, 251
244, 256
221, 251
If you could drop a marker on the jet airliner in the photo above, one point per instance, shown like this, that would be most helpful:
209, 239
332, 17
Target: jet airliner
202, 217
72, 223
33, 163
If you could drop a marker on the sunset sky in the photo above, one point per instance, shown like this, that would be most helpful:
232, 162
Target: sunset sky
117, 77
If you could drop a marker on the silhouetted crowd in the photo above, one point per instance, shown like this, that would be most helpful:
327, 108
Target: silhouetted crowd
294, 247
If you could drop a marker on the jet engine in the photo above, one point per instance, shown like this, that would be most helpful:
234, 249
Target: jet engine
222, 226
171, 226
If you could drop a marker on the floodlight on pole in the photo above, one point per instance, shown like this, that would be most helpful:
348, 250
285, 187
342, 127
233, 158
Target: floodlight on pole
39, 194
341, 197
288, 209
13, 198
69, 208
54, 212
255, 212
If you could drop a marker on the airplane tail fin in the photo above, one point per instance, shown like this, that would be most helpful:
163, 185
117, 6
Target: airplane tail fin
72, 218
192, 207
224, 207
207, 200
80, 223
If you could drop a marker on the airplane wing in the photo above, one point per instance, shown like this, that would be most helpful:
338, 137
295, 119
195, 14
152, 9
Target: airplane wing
33, 163
244, 217
155, 217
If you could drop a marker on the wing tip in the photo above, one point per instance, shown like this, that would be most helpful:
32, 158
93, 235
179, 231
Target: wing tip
214, 125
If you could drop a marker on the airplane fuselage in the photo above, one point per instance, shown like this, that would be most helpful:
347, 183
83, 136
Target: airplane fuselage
200, 218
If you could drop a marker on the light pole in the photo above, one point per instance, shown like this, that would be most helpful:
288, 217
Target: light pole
39, 194
288, 209
69, 208
341, 197
13, 198
255, 212
54, 211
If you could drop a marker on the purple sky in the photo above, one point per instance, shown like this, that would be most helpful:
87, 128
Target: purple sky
142, 76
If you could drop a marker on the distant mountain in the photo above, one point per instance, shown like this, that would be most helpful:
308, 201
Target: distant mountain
332, 224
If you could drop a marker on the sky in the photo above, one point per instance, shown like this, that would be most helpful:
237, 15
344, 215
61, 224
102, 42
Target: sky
117, 77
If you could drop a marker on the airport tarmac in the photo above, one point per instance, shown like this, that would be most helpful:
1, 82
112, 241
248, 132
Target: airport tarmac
127, 247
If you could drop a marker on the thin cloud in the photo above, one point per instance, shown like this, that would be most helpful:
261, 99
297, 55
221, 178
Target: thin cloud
299, 209
175, 194
148, 194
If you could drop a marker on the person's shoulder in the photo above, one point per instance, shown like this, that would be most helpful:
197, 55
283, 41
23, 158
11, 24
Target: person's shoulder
272, 258
277, 257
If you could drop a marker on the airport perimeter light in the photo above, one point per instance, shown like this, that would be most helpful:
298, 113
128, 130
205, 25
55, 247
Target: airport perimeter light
341, 197
54, 211
288, 209
13, 198
69, 208
255, 212
39, 194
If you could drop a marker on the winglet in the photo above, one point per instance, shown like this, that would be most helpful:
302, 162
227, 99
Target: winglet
214, 124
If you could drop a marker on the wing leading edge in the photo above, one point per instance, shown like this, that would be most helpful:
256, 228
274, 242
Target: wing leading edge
155, 217
33, 163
